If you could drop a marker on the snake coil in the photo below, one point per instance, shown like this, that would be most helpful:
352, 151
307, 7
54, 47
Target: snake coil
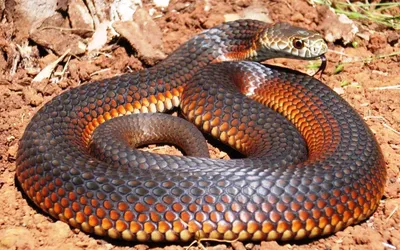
313, 166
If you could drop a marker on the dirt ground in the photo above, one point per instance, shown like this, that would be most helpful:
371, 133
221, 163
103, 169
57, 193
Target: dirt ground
360, 83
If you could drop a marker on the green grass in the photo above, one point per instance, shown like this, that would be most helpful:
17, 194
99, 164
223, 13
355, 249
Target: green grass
374, 12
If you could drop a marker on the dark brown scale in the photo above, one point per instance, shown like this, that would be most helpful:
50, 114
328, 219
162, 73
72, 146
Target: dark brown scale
293, 184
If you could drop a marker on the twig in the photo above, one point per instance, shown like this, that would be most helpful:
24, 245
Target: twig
392, 213
388, 245
46, 72
384, 123
99, 71
365, 59
393, 87
16, 60
62, 73
198, 241
65, 29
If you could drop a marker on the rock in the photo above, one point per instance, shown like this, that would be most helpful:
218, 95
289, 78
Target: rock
391, 208
220, 247
31, 96
339, 90
49, 58
38, 218
254, 11
270, 245
55, 21
123, 10
338, 27
12, 152
393, 38
161, 3
16, 238
39, 86
60, 230
237, 245
80, 18
144, 35
28, 12
59, 41
67, 246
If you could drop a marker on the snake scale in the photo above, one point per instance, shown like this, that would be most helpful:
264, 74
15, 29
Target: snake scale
313, 166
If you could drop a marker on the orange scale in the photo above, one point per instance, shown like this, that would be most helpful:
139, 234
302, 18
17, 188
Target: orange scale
122, 206
177, 207
38, 197
178, 226
100, 213
193, 208
80, 217
87, 210
310, 224
155, 217
129, 216
185, 216
316, 213
107, 205
323, 222
64, 202
121, 110
303, 215
163, 227
93, 221
160, 207
170, 216
135, 227
57, 208
114, 215
296, 226
76, 206
142, 218
120, 226
193, 226
71, 196
45, 192
106, 224
68, 214
48, 203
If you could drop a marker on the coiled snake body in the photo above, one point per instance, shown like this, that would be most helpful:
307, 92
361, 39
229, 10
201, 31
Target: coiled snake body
311, 170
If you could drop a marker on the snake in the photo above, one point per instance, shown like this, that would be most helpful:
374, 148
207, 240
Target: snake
310, 166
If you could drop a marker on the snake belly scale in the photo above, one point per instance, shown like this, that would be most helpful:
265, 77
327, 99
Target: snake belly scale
313, 167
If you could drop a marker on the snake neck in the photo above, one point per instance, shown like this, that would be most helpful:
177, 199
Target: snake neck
232, 41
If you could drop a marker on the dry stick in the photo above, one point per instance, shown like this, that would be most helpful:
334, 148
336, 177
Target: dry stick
62, 73
16, 60
388, 245
393, 87
199, 244
392, 213
384, 123
366, 59
48, 70
100, 71
64, 29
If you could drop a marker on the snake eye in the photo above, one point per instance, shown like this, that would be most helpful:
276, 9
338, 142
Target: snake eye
298, 43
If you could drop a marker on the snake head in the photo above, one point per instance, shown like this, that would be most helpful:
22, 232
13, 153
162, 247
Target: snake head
287, 41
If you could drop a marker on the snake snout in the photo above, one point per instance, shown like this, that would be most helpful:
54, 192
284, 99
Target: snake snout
318, 48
